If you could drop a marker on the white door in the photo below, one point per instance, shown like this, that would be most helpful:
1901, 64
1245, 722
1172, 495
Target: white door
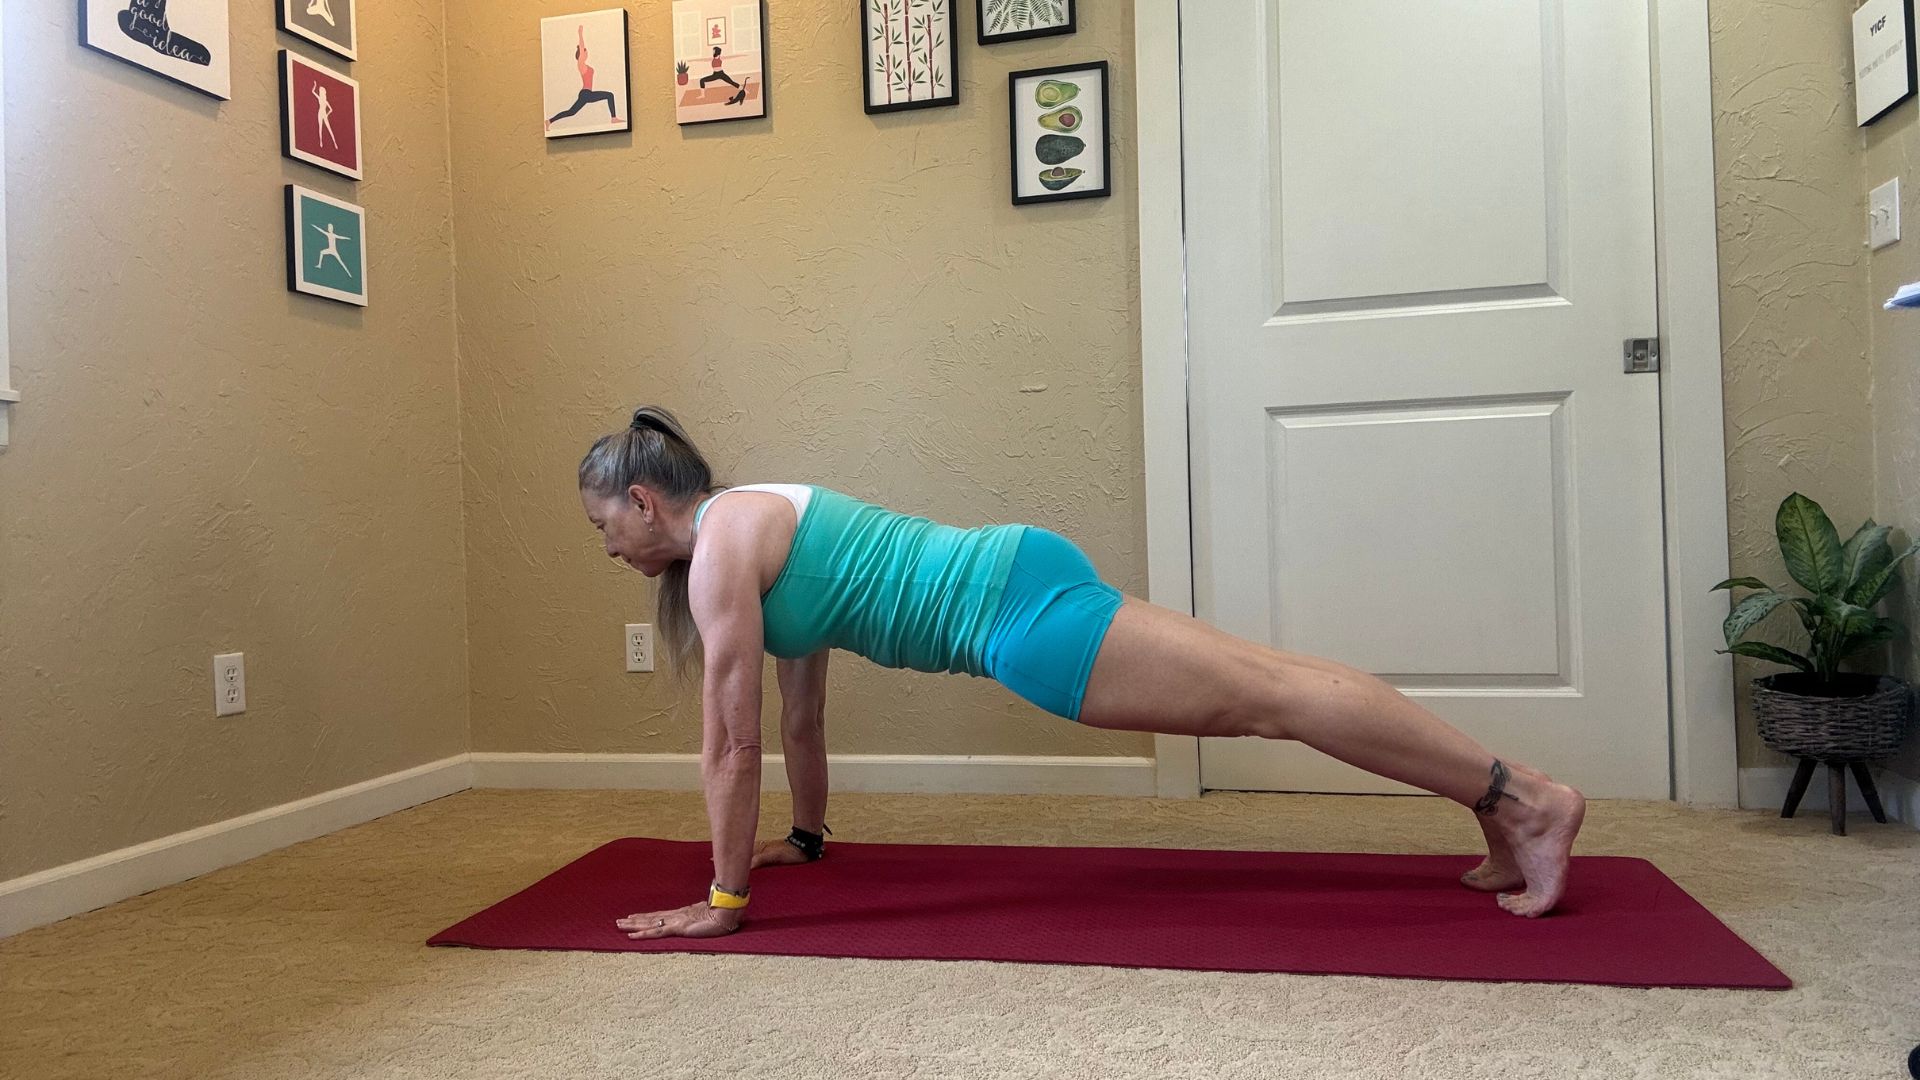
1418, 235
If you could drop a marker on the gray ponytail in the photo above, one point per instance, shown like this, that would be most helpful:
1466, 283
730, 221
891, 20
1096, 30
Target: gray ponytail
655, 451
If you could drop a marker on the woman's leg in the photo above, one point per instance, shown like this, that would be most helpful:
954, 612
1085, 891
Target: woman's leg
1160, 670
578, 104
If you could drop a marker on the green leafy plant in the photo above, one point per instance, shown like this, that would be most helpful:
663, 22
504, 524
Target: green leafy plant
1846, 581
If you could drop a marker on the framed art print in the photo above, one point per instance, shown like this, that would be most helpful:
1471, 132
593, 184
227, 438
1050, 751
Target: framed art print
330, 24
319, 116
585, 89
909, 54
1017, 20
719, 60
1057, 122
181, 40
1883, 74
326, 247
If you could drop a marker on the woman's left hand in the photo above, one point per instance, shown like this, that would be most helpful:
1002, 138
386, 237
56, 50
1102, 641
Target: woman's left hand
694, 920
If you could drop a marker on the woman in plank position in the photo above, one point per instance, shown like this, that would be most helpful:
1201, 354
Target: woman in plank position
796, 570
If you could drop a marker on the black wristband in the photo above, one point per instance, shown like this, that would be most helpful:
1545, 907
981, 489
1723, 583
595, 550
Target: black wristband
811, 844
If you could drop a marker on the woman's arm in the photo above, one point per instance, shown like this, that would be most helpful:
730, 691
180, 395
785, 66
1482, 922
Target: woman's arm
725, 599
726, 607
803, 736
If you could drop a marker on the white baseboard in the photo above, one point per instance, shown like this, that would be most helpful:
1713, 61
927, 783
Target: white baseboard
63, 891
917, 773
1766, 789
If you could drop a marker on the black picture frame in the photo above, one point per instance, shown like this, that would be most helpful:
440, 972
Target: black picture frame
1014, 134
984, 38
866, 65
766, 84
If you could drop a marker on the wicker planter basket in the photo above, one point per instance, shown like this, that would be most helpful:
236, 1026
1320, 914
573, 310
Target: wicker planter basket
1870, 724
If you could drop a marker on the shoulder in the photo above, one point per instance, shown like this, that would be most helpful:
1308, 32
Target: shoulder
740, 538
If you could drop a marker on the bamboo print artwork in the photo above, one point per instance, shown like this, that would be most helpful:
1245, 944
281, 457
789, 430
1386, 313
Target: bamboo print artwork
909, 52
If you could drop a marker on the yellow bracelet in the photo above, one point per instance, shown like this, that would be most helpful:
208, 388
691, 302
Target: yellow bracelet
721, 898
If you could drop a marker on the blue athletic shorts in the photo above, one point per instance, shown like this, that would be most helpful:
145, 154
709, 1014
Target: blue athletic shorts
1052, 617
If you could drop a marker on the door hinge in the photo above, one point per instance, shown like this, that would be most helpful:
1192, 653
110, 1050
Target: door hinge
1642, 354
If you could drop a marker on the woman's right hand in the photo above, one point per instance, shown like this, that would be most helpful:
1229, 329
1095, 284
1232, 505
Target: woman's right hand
777, 853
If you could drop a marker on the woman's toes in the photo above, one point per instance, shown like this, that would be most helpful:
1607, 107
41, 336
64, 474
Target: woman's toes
1488, 877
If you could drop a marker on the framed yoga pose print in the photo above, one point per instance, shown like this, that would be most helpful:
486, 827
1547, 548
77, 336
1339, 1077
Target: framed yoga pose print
319, 116
1057, 121
329, 24
181, 40
909, 54
326, 247
719, 60
1017, 20
585, 87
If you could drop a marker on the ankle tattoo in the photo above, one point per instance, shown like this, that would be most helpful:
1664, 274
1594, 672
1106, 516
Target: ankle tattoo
1489, 804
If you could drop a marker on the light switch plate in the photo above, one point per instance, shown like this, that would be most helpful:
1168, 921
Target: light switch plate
1883, 214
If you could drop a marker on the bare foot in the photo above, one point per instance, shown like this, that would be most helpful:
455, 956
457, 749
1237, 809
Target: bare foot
776, 853
1541, 836
1499, 871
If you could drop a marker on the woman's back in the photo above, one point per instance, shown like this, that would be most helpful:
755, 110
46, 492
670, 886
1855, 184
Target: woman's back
902, 591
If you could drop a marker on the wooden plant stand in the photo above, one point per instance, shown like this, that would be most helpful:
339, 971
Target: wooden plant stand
1836, 791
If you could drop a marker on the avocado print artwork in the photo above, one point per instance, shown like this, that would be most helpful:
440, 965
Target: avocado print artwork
1057, 119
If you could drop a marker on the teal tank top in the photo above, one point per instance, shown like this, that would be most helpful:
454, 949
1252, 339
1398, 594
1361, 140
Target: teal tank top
902, 591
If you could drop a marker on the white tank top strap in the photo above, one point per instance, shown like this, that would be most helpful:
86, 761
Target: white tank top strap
797, 494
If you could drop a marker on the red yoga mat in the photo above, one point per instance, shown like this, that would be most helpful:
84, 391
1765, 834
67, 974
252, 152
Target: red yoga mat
1622, 922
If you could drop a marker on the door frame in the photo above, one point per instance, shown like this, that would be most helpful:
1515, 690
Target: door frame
1704, 767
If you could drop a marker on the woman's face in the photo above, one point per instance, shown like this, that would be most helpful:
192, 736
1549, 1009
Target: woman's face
625, 530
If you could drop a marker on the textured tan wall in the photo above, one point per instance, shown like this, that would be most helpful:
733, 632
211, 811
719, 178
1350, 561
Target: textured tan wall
1893, 149
823, 296
1793, 285
205, 462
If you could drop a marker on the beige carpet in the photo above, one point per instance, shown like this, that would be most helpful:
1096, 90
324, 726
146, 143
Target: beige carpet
308, 963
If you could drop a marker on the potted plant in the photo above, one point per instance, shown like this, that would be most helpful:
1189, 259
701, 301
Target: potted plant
1817, 712
680, 72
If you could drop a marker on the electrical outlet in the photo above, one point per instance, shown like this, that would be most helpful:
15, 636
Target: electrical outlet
229, 684
639, 647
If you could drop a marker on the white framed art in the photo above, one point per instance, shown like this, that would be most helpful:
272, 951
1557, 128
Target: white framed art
326, 246
1883, 74
330, 24
319, 116
184, 41
585, 85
